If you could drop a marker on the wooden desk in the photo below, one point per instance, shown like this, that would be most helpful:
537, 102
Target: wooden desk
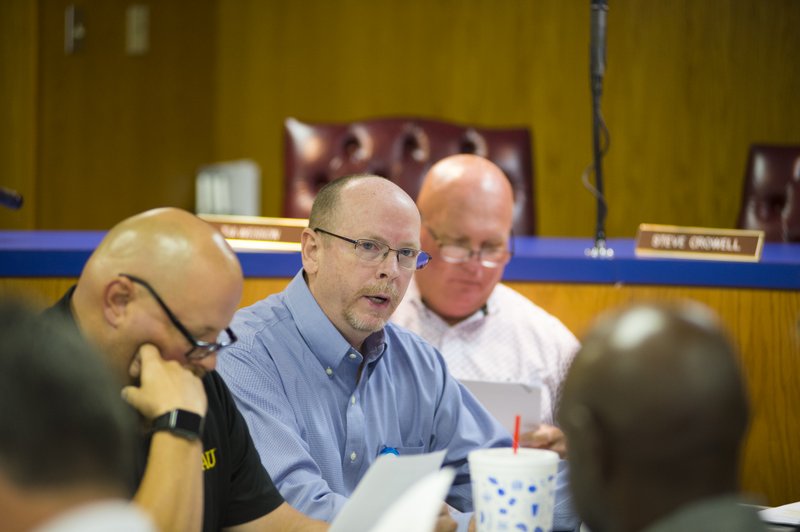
759, 303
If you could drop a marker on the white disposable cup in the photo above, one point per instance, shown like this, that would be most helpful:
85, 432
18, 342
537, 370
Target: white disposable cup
513, 492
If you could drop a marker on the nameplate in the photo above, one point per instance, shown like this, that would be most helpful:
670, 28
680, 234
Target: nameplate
259, 232
701, 243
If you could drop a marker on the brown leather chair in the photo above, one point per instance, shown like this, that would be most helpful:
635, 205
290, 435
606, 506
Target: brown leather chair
402, 150
771, 195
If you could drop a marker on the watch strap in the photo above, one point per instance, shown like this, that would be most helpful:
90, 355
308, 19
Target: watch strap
180, 422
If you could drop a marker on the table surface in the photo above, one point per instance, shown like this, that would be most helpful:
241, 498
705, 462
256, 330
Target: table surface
536, 259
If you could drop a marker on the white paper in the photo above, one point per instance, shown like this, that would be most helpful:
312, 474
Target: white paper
384, 484
788, 514
506, 400
419, 507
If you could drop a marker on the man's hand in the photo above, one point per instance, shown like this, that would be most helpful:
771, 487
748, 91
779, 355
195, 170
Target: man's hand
165, 386
545, 437
445, 523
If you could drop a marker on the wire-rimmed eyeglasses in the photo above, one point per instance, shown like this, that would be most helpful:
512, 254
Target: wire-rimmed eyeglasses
200, 349
374, 251
492, 256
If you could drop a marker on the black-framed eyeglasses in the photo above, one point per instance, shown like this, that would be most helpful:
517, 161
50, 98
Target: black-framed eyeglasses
374, 251
200, 349
492, 256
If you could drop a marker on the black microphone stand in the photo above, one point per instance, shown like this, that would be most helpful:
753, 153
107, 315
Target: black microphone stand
597, 70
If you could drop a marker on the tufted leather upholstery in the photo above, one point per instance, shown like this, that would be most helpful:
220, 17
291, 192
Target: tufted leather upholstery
401, 149
771, 195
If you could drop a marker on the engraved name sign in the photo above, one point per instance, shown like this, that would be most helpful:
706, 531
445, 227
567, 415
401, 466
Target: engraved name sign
703, 243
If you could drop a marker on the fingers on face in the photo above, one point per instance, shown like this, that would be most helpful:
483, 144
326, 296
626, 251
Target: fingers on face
148, 353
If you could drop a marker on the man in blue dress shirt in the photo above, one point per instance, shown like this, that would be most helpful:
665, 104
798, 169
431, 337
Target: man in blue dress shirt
326, 384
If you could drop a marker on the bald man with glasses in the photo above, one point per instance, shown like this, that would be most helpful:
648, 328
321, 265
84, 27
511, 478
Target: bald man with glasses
156, 298
486, 331
320, 374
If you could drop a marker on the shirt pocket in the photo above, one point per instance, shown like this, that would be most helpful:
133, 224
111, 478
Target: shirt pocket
402, 450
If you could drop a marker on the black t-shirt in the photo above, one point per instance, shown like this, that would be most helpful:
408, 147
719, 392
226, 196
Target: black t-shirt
237, 488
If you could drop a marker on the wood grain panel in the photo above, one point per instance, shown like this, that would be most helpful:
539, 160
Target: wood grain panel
18, 45
37, 291
257, 289
689, 86
100, 135
120, 133
764, 324
42, 292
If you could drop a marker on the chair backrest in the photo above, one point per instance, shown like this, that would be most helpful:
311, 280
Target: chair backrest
771, 193
402, 150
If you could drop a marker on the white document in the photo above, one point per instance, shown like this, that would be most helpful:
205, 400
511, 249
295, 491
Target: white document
788, 514
506, 400
385, 484
419, 507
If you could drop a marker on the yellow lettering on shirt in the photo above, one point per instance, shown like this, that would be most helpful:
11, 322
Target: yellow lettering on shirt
209, 459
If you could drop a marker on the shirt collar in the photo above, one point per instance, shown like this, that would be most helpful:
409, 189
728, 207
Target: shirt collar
322, 337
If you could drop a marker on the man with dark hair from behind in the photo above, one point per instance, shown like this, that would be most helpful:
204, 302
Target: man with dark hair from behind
655, 410
65, 436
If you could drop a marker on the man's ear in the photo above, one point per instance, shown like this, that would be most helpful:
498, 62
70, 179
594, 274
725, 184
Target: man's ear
116, 297
310, 245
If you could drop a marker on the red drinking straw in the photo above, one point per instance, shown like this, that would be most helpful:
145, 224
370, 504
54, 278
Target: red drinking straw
516, 434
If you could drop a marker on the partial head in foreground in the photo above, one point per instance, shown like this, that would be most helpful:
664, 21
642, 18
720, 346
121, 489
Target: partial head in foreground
467, 207
655, 410
65, 436
162, 277
359, 252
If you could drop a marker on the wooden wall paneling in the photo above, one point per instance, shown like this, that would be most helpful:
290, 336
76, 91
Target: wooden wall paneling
256, 289
18, 77
42, 292
689, 86
120, 133
453, 60
558, 73
39, 292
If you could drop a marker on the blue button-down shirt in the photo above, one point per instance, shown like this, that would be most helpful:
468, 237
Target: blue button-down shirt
318, 426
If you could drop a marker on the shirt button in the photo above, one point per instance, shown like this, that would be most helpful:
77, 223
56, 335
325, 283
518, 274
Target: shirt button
353, 456
352, 399
329, 371
353, 356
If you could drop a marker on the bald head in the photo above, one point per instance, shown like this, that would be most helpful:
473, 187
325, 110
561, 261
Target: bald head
653, 403
161, 244
467, 204
182, 257
338, 198
466, 182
